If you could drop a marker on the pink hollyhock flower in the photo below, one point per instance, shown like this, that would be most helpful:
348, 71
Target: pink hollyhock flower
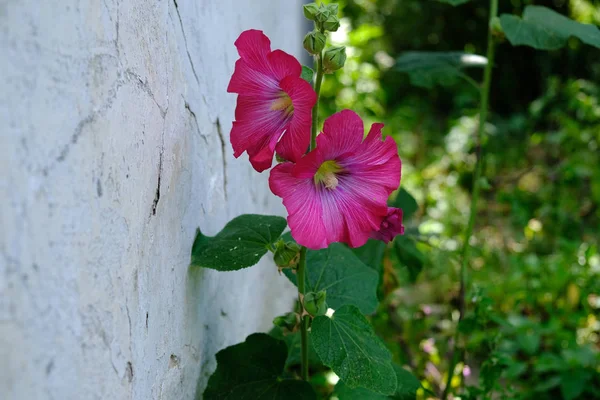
391, 226
338, 191
273, 100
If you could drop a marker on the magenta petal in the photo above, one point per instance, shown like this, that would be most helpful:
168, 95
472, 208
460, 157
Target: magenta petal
345, 131
283, 64
303, 205
253, 46
391, 226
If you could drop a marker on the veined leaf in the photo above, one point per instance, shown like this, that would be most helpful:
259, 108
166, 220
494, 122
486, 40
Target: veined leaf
545, 29
252, 370
240, 244
347, 344
307, 74
406, 389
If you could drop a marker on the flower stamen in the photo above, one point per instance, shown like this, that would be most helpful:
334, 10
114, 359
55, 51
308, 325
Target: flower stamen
326, 174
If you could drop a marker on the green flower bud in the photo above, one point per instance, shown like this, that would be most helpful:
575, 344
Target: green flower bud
315, 304
286, 255
323, 13
310, 11
287, 321
333, 9
314, 42
334, 58
332, 24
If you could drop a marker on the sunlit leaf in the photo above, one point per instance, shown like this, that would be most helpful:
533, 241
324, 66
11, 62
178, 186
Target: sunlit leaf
428, 69
252, 370
545, 29
347, 280
347, 344
240, 244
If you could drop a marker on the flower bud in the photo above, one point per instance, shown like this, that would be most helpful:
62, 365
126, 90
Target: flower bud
333, 8
332, 23
314, 303
287, 321
323, 13
314, 42
286, 255
334, 58
310, 11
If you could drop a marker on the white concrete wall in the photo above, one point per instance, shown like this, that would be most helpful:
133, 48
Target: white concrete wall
114, 122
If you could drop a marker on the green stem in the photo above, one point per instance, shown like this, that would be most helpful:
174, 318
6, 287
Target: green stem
300, 276
465, 253
315, 110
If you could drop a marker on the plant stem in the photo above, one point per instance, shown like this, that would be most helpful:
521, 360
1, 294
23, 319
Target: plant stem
300, 276
466, 248
315, 110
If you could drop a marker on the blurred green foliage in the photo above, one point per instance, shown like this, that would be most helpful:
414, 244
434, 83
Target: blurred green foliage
532, 325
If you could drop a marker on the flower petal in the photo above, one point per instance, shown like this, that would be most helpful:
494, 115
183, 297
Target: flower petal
297, 137
283, 64
343, 132
391, 226
253, 46
303, 204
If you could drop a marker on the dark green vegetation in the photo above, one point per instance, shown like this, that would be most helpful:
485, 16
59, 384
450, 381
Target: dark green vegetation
531, 324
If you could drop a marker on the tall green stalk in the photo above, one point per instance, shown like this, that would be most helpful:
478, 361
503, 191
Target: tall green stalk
301, 272
466, 248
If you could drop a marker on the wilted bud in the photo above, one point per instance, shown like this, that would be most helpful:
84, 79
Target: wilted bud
287, 321
310, 11
314, 42
332, 23
314, 303
286, 255
334, 58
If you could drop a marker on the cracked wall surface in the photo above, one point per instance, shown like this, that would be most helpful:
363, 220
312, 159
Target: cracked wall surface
114, 149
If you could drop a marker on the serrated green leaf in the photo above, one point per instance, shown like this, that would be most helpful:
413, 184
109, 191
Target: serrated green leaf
307, 74
347, 280
454, 2
348, 345
371, 253
406, 202
241, 243
545, 29
427, 69
409, 255
407, 388
252, 370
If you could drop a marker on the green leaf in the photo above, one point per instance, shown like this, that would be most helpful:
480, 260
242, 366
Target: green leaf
347, 344
454, 2
426, 69
406, 202
409, 255
573, 383
371, 253
241, 243
347, 280
407, 388
307, 74
252, 370
545, 29
294, 345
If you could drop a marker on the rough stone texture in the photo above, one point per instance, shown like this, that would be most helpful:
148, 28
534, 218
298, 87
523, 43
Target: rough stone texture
114, 122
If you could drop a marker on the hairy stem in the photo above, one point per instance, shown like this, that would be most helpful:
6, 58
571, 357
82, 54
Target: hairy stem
301, 272
466, 248
315, 110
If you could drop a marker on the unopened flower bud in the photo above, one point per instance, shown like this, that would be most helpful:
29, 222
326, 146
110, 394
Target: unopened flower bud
333, 8
286, 255
314, 42
310, 11
332, 23
315, 304
334, 58
287, 321
323, 13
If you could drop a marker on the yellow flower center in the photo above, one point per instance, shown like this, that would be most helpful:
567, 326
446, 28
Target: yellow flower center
283, 103
326, 174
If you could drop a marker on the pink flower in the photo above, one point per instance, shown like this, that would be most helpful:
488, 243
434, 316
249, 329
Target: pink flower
273, 101
390, 226
338, 191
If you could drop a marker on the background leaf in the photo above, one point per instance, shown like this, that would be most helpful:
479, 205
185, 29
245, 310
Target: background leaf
427, 68
406, 202
252, 369
307, 74
294, 345
409, 255
241, 243
545, 29
347, 280
454, 2
371, 254
347, 344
